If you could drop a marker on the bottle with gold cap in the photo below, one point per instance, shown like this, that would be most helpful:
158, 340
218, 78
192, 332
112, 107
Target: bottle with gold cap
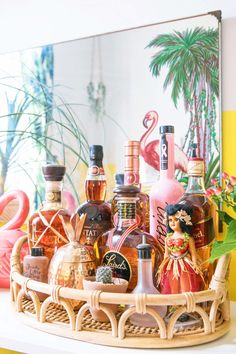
203, 212
132, 177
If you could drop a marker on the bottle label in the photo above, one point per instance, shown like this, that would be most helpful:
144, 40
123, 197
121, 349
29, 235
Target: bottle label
126, 210
160, 226
164, 152
119, 265
203, 232
53, 197
92, 231
131, 178
95, 171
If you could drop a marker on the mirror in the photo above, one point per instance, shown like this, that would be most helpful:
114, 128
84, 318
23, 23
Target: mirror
58, 100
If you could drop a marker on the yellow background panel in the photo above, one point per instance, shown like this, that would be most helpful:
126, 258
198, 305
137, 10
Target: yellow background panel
229, 166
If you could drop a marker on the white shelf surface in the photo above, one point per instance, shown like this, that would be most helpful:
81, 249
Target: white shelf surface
16, 336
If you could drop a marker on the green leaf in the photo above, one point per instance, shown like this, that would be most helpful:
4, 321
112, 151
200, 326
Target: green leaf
221, 248
226, 246
225, 216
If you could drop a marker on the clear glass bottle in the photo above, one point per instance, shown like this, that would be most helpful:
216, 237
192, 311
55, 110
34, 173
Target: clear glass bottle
145, 285
45, 226
167, 190
132, 177
117, 247
204, 212
97, 210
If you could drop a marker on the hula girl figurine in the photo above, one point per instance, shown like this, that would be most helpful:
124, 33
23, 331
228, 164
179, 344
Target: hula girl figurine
179, 271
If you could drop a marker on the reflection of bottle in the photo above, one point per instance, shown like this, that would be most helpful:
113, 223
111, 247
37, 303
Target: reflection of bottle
98, 212
45, 226
167, 190
132, 177
117, 247
145, 285
203, 212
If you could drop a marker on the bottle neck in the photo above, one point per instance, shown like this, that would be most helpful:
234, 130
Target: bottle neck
95, 185
145, 278
126, 212
196, 185
53, 190
167, 168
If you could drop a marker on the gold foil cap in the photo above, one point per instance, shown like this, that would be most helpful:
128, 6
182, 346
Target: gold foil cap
131, 168
132, 148
196, 167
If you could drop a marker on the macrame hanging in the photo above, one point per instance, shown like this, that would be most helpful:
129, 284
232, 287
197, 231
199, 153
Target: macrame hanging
96, 89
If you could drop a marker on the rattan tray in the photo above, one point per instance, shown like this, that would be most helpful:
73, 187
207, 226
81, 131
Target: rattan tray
56, 315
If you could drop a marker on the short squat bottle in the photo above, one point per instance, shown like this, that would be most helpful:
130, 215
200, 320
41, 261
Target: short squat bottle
117, 247
35, 266
145, 285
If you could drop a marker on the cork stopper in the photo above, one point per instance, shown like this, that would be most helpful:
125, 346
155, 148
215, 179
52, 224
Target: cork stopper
53, 172
127, 191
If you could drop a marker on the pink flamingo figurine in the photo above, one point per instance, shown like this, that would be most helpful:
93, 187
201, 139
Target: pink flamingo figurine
10, 232
150, 151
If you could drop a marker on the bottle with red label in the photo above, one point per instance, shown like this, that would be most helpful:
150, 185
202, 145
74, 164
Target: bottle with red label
98, 212
203, 212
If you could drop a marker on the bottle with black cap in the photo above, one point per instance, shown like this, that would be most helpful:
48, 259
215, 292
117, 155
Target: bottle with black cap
45, 226
145, 285
167, 190
98, 212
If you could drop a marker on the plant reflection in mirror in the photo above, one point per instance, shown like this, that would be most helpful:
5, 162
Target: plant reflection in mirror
38, 126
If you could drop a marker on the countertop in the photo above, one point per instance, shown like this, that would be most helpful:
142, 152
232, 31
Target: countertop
16, 336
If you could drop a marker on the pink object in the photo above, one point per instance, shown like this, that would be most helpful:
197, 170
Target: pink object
69, 202
9, 233
167, 190
150, 151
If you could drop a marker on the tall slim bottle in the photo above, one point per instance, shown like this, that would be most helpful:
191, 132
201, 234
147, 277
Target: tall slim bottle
45, 227
167, 190
98, 212
132, 177
204, 212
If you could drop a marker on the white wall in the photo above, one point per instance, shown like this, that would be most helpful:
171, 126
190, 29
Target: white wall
30, 23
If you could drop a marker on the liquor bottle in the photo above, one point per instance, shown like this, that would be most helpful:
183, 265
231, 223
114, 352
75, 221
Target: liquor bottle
145, 285
117, 247
132, 177
45, 226
119, 181
203, 212
98, 212
167, 190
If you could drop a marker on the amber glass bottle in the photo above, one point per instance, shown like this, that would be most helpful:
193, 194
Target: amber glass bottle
98, 212
117, 247
45, 227
203, 213
132, 177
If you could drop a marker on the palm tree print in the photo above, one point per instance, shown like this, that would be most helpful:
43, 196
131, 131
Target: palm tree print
192, 60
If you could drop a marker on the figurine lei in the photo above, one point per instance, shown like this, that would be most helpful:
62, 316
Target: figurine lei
179, 271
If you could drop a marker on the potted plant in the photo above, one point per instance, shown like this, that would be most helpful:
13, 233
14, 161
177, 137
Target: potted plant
224, 196
105, 282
